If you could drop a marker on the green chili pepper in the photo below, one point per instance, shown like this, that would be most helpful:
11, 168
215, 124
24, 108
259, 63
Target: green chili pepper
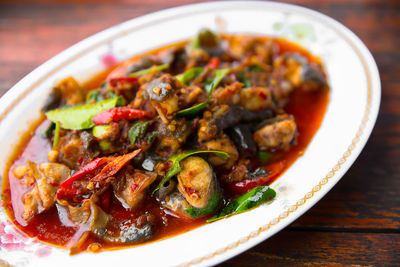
189, 75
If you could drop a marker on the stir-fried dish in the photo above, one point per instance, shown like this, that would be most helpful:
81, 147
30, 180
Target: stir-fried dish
166, 141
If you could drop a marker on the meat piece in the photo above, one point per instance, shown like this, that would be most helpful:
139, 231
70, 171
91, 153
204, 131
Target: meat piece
207, 128
93, 179
222, 144
293, 71
70, 150
144, 63
171, 137
133, 233
238, 114
88, 216
223, 116
54, 100
238, 172
254, 45
229, 95
72, 93
256, 98
196, 181
43, 180
177, 203
130, 186
191, 95
243, 140
279, 132
166, 189
159, 95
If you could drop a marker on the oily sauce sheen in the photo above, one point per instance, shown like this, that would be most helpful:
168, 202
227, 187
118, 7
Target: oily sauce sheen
308, 109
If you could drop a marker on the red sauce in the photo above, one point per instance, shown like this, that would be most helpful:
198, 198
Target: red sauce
308, 109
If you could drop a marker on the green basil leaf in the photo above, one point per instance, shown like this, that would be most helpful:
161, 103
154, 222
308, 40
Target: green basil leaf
80, 117
211, 207
176, 167
137, 130
189, 75
218, 76
251, 199
157, 68
193, 110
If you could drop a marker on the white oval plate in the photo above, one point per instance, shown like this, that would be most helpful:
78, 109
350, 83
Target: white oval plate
349, 119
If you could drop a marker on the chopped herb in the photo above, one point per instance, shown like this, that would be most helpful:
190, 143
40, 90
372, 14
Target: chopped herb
137, 130
251, 199
176, 166
218, 76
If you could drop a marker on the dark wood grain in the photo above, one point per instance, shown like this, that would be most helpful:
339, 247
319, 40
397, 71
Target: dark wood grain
313, 248
358, 222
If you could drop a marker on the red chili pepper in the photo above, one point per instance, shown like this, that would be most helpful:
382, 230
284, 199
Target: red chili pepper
274, 170
69, 188
115, 81
213, 63
114, 166
119, 113
97, 171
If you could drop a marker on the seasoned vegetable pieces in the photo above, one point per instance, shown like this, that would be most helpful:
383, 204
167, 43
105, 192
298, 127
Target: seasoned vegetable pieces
190, 132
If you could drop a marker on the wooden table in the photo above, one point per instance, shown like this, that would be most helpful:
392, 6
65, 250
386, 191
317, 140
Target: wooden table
358, 222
